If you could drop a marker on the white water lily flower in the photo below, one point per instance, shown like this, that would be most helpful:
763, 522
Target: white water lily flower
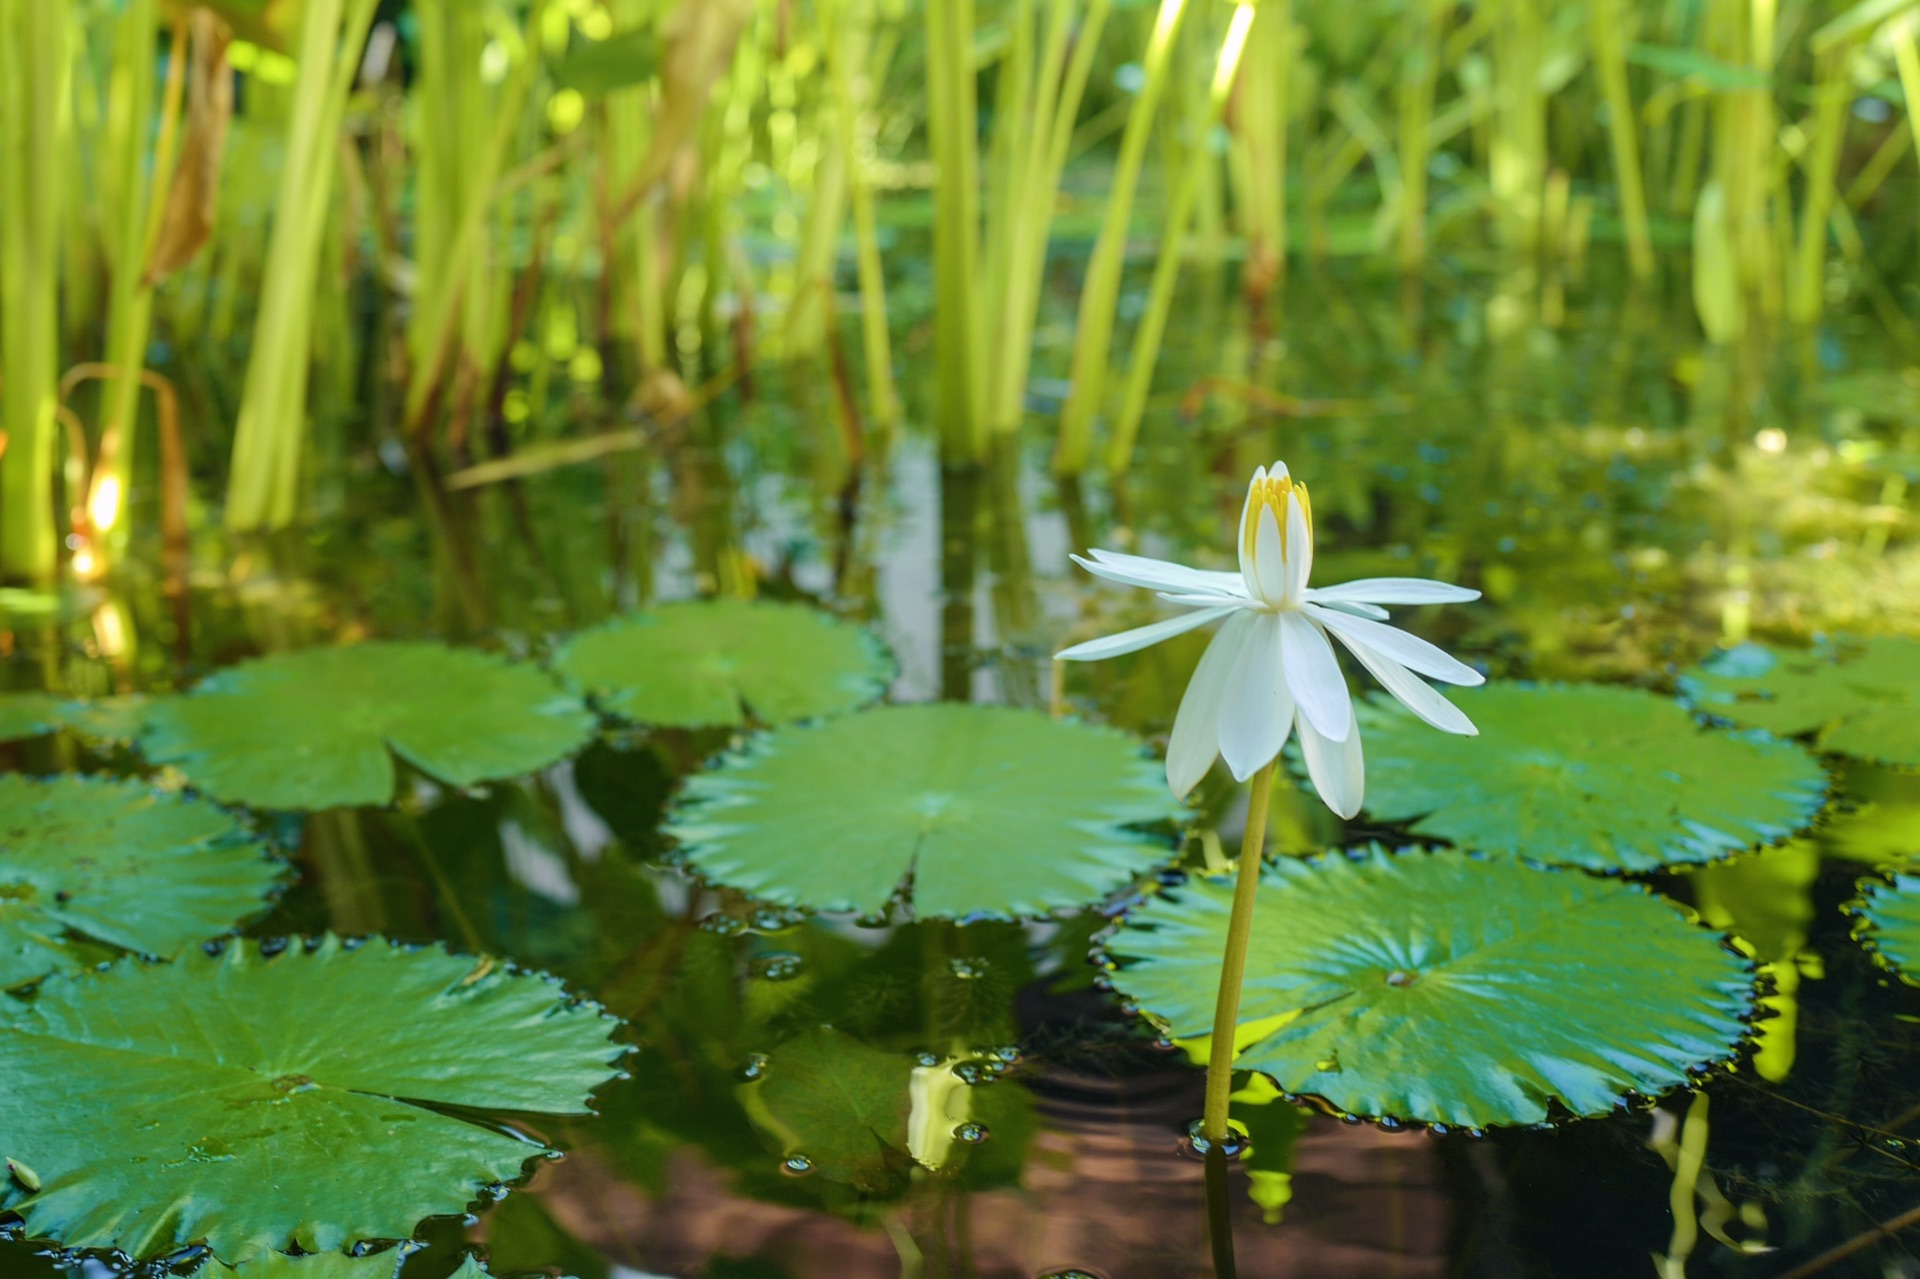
1270, 669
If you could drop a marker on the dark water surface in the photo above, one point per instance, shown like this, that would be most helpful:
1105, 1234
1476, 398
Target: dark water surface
1626, 498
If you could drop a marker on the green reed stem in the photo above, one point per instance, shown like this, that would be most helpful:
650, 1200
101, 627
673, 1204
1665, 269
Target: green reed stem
1623, 133
952, 128
35, 124
1233, 965
1166, 269
1100, 292
1831, 94
270, 435
846, 50
1416, 127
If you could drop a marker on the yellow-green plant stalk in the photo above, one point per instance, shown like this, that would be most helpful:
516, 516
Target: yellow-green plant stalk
1166, 270
271, 432
35, 75
1233, 964
1100, 292
1038, 155
1428, 21
449, 298
1517, 158
1623, 131
848, 40
1832, 47
640, 308
1260, 147
952, 128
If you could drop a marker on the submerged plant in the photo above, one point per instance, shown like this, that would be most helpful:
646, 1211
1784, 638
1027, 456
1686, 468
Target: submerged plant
1269, 670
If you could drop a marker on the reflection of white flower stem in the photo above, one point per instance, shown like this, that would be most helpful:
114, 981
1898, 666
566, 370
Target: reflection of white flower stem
1233, 965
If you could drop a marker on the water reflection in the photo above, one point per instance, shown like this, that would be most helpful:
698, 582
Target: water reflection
1626, 498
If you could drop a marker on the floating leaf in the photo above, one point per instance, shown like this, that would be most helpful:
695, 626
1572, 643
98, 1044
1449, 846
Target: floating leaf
1445, 988
1587, 775
1889, 922
108, 719
120, 863
838, 1104
1863, 696
713, 662
326, 1265
29, 715
989, 811
313, 729
259, 1102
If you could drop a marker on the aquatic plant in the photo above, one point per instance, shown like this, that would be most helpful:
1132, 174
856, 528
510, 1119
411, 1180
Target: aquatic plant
1447, 989
162, 1105
319, 728
956, 811
1270, 674
1858, 697
712, 662
91, 863
1615, 779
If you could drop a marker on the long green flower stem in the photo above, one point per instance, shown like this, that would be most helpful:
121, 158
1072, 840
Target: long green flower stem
1166, 271
1100, 294
1233, 965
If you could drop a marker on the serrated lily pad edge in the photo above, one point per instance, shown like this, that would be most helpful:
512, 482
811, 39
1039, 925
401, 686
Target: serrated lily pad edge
1866, 929
1760, 989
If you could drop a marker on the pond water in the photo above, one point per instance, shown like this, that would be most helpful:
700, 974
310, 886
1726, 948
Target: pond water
1626, 498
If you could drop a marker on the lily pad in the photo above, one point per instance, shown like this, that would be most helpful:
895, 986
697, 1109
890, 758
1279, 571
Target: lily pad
1444, 988
120, 863
972, 811
1888, 914
318, 728
258, 1102
321, 1265
1862, 697
29, 715
717, 662
1611, 779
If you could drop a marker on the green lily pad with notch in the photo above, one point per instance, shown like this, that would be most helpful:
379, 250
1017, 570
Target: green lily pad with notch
1887, 921
319, 728
120, 863
987, 810
1862, 697
259, 1102
1445, 988
708, 663
1606, 778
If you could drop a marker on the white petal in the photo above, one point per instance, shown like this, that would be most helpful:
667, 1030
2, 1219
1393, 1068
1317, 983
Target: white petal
1196, 728
1141, 637
1414, 693
1394, 590
1313, 676
1338, 769
1240, 543
1203, 600
1164, 574
1410, 651
1269, 564
1257, 710
1349, 606
1299, 549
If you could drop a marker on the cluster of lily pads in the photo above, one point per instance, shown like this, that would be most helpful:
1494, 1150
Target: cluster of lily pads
1502, 969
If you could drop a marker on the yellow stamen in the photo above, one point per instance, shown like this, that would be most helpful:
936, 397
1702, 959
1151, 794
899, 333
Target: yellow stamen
1271, 493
